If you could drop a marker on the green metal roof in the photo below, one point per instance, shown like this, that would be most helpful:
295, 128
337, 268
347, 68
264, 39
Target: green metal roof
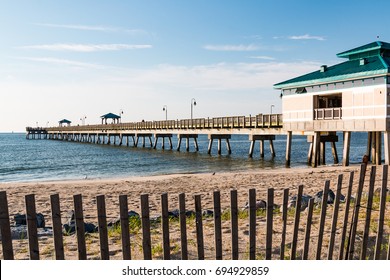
110, 116
373, 65
366, 48
65, 121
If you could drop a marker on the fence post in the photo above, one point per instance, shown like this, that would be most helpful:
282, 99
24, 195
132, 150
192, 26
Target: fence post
146, 242
217, 225
308, 229
296, 223
32, 227
183, 226
335, 216
368, 213
124, 218
165, 226
382, 209
324, 204
102, 224
351, 241
6, 238
252, 224
234, 223
57, 226
199, 227
346, 215
270, 210
80, 230
284, 221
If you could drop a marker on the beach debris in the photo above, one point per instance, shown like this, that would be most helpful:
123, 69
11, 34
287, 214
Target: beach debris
131, 214
70, 226
292, 202
318, 197
20, 219
20, 232
207, 213
260, 204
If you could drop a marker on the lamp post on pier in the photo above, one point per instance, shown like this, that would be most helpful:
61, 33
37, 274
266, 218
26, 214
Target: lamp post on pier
165, 108
82, 119
272, 106
193, 103
120, 115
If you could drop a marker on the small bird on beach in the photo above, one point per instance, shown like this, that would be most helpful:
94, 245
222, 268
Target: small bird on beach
214, 173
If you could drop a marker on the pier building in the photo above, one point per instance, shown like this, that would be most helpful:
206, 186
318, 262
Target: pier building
352, 96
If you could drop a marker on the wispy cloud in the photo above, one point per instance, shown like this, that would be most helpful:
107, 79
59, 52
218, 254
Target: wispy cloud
307, 37
93, 28
262, 57
238, 48
59, 61
86, 47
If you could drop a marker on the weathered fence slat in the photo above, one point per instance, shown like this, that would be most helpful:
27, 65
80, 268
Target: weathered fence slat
183, 227
308, 229
234, 223
31, 218
165, 226
146, 239
252, 224
324, 203
57, 226
351, 241
366, 233
336, 207
199, 227
270, 210
382, 209
125, 233
284, 221
80, 230
346, 215
6, 238
102, 224
296, 223
217, 225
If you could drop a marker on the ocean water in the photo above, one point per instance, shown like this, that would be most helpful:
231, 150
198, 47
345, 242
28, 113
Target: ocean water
24, 160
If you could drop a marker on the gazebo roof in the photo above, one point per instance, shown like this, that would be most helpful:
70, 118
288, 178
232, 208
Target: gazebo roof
65, 121
110, 116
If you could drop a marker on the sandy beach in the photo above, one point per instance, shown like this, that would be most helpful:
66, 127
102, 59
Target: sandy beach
190, 184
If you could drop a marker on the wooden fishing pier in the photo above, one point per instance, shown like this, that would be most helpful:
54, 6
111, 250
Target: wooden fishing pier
352, 96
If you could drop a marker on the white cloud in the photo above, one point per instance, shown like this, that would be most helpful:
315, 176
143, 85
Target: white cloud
86, 47
93, 28
263, 57
306, 37
250, 47
59, 61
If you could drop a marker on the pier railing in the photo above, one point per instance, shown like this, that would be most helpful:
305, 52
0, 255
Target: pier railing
234, 122
328, 114
353, 231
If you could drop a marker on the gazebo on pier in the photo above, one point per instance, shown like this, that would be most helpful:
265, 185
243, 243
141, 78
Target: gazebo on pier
64, 122
115, 118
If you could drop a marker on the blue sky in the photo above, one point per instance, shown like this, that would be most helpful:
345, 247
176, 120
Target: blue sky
70, 59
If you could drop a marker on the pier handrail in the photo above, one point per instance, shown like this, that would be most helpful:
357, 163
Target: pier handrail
231, 122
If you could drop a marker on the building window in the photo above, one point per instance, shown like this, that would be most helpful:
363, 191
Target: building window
328, 107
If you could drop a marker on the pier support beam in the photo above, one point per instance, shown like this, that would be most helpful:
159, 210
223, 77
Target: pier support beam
143, 135
288, 148
187, 137
316, 144
318, 157
378, 148
163, 136
386, 136
261, 138
219, 137
347, 146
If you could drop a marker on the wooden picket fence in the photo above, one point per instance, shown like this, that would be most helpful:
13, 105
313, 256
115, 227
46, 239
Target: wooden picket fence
344, 228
